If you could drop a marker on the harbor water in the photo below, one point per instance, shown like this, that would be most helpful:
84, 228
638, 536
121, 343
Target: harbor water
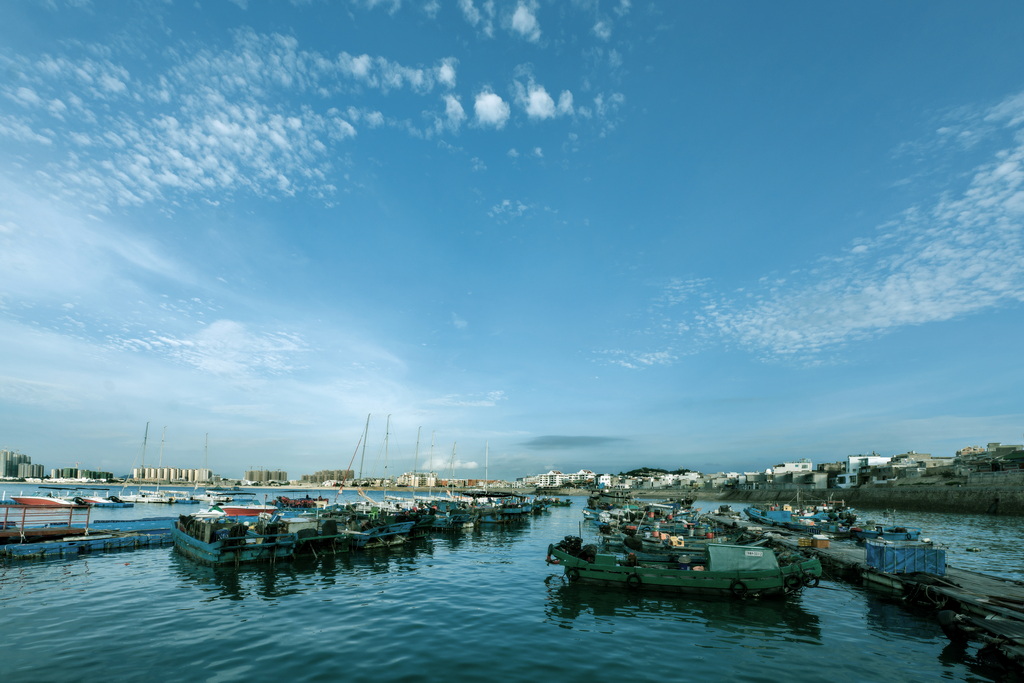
477, 605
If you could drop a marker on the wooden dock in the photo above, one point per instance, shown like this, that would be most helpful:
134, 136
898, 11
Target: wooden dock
969, 606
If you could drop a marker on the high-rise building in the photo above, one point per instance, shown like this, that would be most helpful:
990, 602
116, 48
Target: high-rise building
9, 462
30, 471
260, 476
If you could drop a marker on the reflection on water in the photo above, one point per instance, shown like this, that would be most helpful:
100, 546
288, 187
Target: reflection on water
446, 606
889, 616
779, 619
300, 575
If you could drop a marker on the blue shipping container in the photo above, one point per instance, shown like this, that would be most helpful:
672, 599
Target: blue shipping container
904, 557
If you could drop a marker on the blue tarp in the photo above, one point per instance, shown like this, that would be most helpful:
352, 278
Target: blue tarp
893, 557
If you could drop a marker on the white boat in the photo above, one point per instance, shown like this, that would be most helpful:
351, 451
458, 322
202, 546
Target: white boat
179, 496
156, 494
212, 497
102, 501
148, 496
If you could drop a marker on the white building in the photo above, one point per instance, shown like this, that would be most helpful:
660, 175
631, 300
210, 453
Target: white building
801, 466
554, 478
418, 479
854, 466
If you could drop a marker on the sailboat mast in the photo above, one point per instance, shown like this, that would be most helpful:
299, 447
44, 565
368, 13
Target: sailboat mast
387, 438
432, 463
160, 462
366, 432
416, 462
451, 466
145, 438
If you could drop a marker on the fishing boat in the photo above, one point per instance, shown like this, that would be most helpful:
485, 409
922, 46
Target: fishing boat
833, 518
217, 541
554, 502
729, 570
886, 533
386, 531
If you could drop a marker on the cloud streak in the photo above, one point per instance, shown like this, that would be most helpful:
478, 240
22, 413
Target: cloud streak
960, 256
559, 443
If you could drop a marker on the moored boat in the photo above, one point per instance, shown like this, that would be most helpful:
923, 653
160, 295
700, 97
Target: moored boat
102, 501
236, 510
223, 541
886, 533
729, 570
213, 542
148, 496
47, 501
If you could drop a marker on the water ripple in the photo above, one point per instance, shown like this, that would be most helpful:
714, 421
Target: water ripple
477, 605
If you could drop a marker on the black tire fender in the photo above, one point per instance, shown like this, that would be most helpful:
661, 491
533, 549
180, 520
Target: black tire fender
572, 574
738, 588
634, 581
793, 583
810, 580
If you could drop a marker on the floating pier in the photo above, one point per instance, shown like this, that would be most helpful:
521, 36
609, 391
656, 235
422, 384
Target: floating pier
969, 606
41, 532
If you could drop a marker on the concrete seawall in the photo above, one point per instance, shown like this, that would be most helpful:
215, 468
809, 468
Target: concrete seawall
965, 499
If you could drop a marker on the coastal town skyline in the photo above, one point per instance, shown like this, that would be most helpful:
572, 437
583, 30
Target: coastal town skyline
526, 235
16, 465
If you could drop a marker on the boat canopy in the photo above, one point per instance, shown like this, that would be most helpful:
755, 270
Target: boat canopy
725, 558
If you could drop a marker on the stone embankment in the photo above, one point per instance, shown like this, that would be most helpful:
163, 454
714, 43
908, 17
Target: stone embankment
1008, 500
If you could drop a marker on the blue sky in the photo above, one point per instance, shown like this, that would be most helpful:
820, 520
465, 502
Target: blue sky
574, 234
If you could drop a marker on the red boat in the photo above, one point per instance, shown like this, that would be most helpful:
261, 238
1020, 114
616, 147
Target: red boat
245, 510
48, 501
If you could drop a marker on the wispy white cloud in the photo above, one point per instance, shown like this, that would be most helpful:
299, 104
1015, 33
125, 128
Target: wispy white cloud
209, 123
635, 360
959, 256
508, 208
488, 400
481, 18
226, 348
454, 113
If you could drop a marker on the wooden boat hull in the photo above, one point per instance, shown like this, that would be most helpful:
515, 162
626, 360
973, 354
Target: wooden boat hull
384, 535
606, 569
233, 550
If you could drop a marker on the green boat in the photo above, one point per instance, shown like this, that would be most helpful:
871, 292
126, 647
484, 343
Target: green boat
728, 570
